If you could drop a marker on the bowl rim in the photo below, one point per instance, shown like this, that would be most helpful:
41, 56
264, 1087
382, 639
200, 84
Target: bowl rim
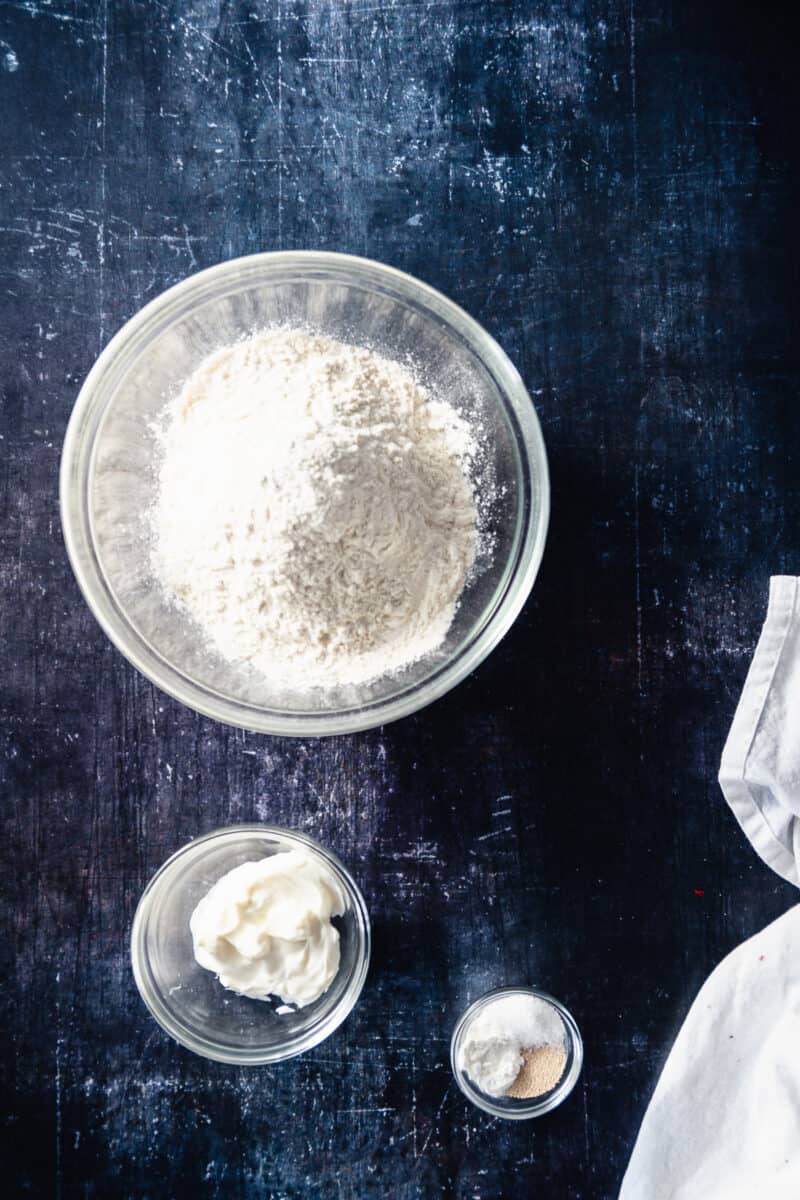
523, 1110
209, 1047
75, 473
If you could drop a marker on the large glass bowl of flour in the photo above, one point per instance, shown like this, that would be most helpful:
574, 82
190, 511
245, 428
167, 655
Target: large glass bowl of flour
109, 478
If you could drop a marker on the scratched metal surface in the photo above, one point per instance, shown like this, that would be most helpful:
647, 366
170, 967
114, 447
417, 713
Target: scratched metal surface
608, 187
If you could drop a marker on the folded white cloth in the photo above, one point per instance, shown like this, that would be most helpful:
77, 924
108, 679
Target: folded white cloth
760, 771
724, 1121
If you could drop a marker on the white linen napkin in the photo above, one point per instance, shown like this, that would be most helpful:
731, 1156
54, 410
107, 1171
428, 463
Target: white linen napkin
760, 771
724, 1121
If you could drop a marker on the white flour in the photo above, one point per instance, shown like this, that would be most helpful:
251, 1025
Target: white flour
313, 513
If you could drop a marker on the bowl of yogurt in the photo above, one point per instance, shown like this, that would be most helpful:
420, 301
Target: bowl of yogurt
251, 944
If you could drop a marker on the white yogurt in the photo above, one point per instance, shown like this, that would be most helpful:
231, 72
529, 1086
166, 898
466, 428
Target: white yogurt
265, 928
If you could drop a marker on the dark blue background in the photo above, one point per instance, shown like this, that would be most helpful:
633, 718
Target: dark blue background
610, 187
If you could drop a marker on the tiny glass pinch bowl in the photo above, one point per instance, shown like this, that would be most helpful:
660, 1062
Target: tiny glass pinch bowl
189, 1002
109, 476
509, 1107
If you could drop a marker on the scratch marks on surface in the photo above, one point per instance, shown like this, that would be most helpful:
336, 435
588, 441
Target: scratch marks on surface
264, 85
435, 1120
189, 27
398, 6
75, 241
420, 852
494, 833
101, 227
44, 9
637, 562
318, 60
634, 104
188, 244
58, 1087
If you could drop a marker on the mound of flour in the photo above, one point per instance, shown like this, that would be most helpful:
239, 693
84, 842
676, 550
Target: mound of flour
313, 511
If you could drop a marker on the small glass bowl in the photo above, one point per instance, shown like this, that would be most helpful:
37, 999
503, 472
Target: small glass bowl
507, 1106
109, 477
189, 1002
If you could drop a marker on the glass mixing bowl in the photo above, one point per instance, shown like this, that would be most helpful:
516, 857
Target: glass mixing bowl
108, 476
189, 1002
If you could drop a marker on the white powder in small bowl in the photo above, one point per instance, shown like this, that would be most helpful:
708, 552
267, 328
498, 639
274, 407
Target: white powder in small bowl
491, 1051
314, 514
